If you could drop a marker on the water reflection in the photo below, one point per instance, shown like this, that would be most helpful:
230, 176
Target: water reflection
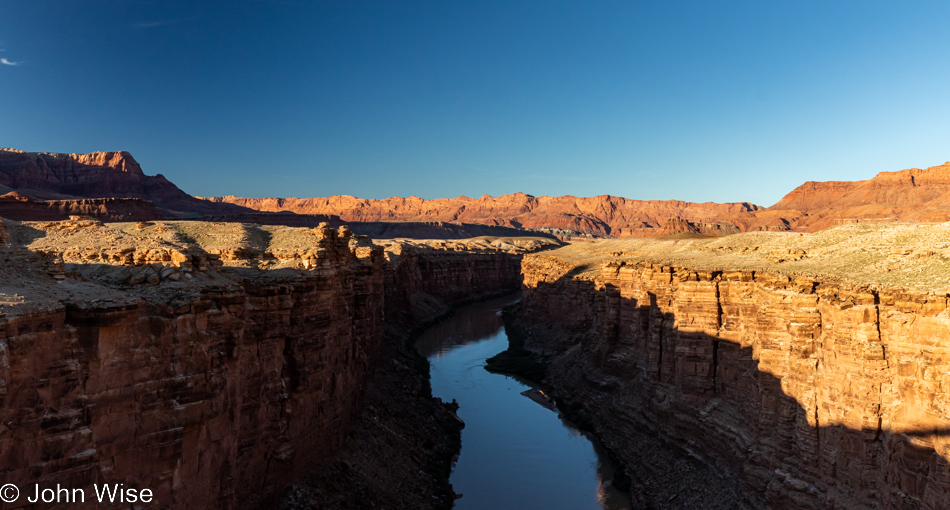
516, 454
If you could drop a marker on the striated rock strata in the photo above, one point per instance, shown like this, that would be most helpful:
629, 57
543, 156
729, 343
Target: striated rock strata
16, 206
114, 174
599, 216
216, 370
399, 453
790, 392
211, 396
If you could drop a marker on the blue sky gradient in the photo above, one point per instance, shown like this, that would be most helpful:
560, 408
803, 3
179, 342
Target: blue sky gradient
699, 101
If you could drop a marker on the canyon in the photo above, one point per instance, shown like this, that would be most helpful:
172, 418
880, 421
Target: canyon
253, 353
785, 389
214, 364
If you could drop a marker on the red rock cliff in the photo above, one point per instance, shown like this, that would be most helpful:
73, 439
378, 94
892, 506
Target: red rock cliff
113, 174
906, 195
214, 398
795, 393
600, 215
215, 387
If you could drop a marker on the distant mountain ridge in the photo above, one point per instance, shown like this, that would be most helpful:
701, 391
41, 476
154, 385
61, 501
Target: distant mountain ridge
599, 216
51, 184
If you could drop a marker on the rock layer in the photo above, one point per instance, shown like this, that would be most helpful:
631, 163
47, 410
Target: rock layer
96, 175
800, 393
906, 195
16, 206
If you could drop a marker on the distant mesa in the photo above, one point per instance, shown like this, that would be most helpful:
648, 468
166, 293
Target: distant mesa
44, 176
599, 216
37, 185
912, 195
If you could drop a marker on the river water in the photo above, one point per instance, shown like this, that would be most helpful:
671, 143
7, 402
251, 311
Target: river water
516, 453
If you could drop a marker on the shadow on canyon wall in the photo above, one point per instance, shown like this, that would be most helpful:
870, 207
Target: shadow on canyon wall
632, 366
219, 390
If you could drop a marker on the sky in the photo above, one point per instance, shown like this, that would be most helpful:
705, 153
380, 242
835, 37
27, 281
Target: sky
722, 101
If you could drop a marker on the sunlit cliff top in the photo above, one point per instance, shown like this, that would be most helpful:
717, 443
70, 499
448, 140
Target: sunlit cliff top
915, 256
84, 261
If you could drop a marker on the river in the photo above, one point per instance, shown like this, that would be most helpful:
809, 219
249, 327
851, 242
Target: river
516, 453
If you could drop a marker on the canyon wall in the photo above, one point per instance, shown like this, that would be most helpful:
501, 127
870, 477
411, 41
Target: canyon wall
212, 397
918, 195
796, 393
906, 195
211, 386
421, 285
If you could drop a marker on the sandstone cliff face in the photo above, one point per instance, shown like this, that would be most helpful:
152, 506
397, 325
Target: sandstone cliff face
422, 284
99, 174
906, 195
600, 215
800, 393
212, 370
212, 397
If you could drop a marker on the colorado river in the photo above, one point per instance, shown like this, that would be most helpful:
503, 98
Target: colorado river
516, 453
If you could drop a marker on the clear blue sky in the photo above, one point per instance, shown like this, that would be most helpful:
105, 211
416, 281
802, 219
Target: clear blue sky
700, 101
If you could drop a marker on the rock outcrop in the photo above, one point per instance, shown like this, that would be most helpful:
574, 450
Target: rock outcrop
794, 392
95, 175
422, 284
58, 183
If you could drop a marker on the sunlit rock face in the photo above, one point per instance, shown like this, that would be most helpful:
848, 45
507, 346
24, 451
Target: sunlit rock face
112, 174
598, 216
802, 393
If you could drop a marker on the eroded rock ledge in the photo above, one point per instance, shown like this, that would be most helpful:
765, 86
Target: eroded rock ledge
786, 392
